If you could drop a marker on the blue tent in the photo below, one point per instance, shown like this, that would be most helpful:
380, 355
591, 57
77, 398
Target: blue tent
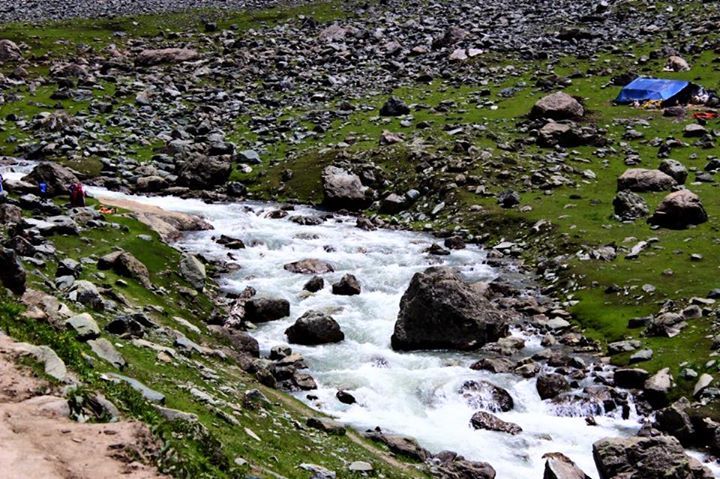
645, 89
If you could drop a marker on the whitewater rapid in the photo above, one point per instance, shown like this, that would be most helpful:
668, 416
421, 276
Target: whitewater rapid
410, 393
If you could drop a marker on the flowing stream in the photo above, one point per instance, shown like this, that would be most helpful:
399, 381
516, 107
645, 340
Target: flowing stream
410, 393
417, 393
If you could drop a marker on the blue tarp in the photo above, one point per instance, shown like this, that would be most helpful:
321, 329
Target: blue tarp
645, 89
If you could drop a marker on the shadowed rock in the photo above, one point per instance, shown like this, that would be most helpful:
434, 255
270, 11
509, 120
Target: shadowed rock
441, 310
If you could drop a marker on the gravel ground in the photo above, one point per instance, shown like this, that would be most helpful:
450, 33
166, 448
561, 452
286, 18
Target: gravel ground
37, 11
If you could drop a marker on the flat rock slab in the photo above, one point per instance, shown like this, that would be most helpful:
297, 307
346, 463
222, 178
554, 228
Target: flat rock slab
147, 393
106, 351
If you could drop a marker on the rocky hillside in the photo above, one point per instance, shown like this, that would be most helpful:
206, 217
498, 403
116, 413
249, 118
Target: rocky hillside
489, 122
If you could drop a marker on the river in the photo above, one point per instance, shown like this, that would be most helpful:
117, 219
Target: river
417, 393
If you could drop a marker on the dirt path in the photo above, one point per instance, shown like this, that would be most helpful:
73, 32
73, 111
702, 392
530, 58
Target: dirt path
38, 441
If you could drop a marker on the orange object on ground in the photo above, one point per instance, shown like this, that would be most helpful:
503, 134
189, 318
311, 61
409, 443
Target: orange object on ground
705, 115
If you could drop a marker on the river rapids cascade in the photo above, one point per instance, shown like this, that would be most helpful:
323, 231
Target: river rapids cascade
411, 393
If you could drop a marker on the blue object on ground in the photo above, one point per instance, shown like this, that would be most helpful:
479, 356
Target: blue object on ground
646, 89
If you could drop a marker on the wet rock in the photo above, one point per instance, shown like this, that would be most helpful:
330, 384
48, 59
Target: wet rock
559, 466
630, 206
192, 269
490, 422
344, 190
345, 397
261, 310
56, 177
347, 286
679, 210
314, 284
230, 243
12, 274
454, 243
398, 444
660, 457
152, 57
675, 421
550, 385
309, 266
313, 328
494, 365
485, 395
557, 106
452, 466
441, 310
641, 180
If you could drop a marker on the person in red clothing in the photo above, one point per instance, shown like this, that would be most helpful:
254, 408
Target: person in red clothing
77, 195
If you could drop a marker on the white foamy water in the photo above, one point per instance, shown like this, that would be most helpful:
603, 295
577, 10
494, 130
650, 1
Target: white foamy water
15, 170
409, 393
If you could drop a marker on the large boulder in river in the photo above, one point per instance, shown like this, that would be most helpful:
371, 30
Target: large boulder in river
152, 57
661, 457
313, 328
309, 266
557, 106
679, 210
344, 190
261, 310
641, 180
12, 274
205, 172
440, 310
490, 422
56, 177
550, 385
559, 466
347, 286
485, 395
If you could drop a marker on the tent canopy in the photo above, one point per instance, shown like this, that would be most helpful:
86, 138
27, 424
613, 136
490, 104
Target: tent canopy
645, 89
